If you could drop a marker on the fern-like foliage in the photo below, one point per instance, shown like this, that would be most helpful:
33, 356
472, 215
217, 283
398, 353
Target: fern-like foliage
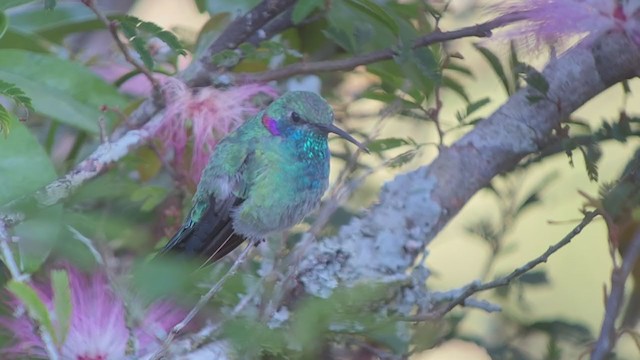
18, 96
138, 32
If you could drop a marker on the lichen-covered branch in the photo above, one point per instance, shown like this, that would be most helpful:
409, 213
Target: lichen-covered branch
105, 155
415, 206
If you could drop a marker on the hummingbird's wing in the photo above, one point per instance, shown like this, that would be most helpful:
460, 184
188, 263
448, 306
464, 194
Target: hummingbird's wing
209, 235
208, 231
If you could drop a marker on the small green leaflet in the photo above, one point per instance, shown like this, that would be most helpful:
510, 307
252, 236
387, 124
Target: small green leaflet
35, 307
303, 8
471, 108
5, 119
381, 145
61, 303
19, 97
496, 66
49, 4
138, 31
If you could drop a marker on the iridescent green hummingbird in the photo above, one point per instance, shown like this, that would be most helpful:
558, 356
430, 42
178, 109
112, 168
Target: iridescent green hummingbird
264, 177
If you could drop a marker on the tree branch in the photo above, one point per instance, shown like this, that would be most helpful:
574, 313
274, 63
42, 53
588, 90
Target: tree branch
112, 26
415, 206
607, 338
239, 31
474, 288
106, 154
481, 30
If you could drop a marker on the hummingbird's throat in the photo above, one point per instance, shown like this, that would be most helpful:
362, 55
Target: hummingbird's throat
270, 124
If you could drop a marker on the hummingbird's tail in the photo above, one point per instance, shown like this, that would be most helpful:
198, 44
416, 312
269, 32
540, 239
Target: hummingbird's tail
211, 236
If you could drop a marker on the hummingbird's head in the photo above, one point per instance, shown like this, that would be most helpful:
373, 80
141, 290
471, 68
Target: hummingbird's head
302, 111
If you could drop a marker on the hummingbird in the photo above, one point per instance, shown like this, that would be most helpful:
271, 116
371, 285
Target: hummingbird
263, 178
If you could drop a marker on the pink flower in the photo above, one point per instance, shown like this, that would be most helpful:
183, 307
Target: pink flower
98, 328
555, 21
206, 115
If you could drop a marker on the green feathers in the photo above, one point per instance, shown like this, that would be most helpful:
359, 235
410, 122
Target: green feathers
263, 178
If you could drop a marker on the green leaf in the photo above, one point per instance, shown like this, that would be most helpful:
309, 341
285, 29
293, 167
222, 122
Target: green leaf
459, 68
16, 94
496, 65
233, 7
24, 164
471, 108
49, 4
226, 58
40, 21
25, 167
4, 23
534, 99
340, 37
61, 89
536, 277
138, 32
150, 196
592, 154
536, 80
18, 39
5, 120
61, 303
35, 307
381, 145
6, 4
403, 158
303, 8
375, 11
456, 87
128, 27
427, 63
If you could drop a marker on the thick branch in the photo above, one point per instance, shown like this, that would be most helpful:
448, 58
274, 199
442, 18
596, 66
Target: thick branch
414, 207
481, 30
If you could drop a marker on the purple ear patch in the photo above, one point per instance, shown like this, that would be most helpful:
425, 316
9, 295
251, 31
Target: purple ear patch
271, 125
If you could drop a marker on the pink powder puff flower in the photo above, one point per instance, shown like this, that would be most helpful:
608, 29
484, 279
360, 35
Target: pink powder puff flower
555, 21
98, 328
206, 115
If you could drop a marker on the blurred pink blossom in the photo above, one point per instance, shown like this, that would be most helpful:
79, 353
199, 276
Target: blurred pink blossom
98, 328
206, 115
555, 21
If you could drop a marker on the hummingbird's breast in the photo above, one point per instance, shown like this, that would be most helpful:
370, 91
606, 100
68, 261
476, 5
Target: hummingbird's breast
288, 183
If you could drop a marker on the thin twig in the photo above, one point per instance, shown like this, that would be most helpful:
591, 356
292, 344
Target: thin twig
476, 287
607, 338
481, 30
113, 29
96, 163
7, 255
204, 299
237, 32
88, 243
16, 275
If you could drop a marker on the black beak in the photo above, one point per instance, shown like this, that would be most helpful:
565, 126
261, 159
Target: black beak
343, 134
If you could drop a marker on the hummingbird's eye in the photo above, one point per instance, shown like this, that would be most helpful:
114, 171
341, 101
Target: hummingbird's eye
295, 117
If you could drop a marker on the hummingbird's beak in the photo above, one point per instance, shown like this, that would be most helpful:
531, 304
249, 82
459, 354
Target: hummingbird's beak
343, 134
